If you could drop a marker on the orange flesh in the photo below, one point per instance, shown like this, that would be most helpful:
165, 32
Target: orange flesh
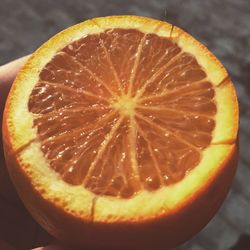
122, 111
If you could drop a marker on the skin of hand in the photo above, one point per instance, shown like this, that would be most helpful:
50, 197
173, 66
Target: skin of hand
18, 230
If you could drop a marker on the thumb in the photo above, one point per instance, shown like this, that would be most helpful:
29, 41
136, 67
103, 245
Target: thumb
57, 246
51, 247
9, 71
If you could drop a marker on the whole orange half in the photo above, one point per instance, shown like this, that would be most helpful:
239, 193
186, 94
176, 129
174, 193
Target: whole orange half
121, 132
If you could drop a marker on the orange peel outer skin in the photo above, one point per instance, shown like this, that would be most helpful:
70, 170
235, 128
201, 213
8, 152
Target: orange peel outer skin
163, 232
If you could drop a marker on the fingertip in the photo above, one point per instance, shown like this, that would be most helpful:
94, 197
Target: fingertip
56, 246
9, 71
51, 247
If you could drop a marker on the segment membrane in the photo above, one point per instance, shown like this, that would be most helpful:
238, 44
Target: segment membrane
122, 111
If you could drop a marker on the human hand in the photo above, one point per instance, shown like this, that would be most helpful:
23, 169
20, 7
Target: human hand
18, 230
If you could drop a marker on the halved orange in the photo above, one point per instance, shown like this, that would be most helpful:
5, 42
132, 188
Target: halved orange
121, 132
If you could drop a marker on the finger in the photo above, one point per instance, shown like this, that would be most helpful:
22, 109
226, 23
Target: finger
50, 247
9, 71
54, 247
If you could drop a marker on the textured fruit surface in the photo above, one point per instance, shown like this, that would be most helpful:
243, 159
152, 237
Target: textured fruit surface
154, 99
121, 128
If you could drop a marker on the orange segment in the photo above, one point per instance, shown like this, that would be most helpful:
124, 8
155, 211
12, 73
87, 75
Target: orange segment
125, 122
121, 46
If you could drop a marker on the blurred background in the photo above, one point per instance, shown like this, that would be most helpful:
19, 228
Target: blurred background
222, 25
